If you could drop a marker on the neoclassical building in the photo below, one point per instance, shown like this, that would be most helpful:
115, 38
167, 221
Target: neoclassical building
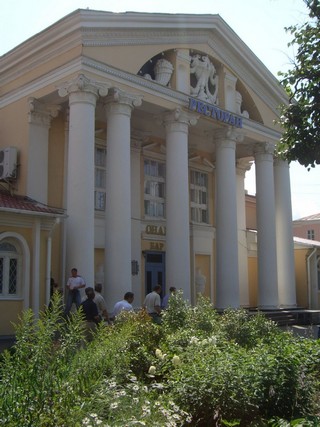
125, 140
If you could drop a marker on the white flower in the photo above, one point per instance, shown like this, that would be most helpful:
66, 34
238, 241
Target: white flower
114, 405
176, 360
158, 353
152, 370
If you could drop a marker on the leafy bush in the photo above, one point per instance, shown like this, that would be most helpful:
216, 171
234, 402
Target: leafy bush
198, 368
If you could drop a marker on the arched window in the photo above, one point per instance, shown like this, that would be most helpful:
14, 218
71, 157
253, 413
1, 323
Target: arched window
10, 270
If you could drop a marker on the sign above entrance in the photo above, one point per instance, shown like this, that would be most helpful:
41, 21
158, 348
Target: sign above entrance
215, 112
156, 229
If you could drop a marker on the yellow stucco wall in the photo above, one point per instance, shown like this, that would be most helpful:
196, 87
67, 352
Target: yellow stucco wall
9, 312
253, 281
202, 262
301, 277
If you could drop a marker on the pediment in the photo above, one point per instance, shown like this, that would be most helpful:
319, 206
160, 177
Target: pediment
135, 42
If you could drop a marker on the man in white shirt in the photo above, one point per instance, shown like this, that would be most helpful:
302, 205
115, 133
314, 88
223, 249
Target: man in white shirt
152, 304
125, 304
74, 284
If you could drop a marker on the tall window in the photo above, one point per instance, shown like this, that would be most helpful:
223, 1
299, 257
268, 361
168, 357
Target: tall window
100, 179
9, 271
310, 234
154, 188
199, 197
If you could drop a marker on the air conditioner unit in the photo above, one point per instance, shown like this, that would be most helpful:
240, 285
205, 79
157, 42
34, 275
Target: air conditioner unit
8, 163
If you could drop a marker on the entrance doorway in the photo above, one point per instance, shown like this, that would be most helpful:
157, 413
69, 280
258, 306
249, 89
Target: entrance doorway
155, 271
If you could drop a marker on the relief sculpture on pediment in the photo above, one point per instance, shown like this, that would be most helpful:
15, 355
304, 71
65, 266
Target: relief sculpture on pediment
206, 86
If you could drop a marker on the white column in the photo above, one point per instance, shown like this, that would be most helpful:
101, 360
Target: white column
242, 166
119, 106
266, 228
285, 247
83, 94
40, 116
177, 200
136, 219
227, 270
36, 267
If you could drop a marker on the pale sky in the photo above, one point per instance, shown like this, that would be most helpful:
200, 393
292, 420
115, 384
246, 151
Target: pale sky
259, 23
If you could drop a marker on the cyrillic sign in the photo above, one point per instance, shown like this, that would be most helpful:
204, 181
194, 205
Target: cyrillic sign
215, 112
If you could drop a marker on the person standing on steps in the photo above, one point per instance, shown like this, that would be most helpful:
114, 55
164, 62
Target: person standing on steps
152, 304
74, 284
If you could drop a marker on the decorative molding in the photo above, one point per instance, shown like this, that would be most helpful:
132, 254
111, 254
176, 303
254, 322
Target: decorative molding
97, 38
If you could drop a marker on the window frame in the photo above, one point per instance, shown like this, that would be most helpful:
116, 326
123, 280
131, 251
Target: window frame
7, 256
310, 234
156, 182
100, 190
197, 192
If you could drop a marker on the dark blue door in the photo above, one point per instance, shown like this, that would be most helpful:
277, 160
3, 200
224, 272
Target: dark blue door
155, 271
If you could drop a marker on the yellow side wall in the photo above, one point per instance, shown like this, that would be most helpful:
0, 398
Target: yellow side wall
253, 281
301, 277
203, 263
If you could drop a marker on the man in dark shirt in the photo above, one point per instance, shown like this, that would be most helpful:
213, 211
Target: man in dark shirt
90, 311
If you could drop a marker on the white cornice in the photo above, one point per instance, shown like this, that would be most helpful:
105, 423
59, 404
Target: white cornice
51, 78
138, 81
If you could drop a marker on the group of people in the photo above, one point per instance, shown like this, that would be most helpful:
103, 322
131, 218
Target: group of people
94, 306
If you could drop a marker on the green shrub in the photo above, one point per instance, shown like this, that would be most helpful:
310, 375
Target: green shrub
198, 368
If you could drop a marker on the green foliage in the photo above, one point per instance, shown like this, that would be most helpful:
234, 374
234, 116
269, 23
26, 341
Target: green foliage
199, 368
301, 117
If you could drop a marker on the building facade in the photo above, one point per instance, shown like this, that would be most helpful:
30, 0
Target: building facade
307, 227
131, 134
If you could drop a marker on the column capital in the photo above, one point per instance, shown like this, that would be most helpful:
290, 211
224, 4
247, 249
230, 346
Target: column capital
122, 102
228, 134
243, 165
81, 83
177, 119
280, 162
264, 149
41, 113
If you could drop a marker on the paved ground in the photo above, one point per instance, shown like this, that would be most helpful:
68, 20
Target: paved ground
307, 331
6, 343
